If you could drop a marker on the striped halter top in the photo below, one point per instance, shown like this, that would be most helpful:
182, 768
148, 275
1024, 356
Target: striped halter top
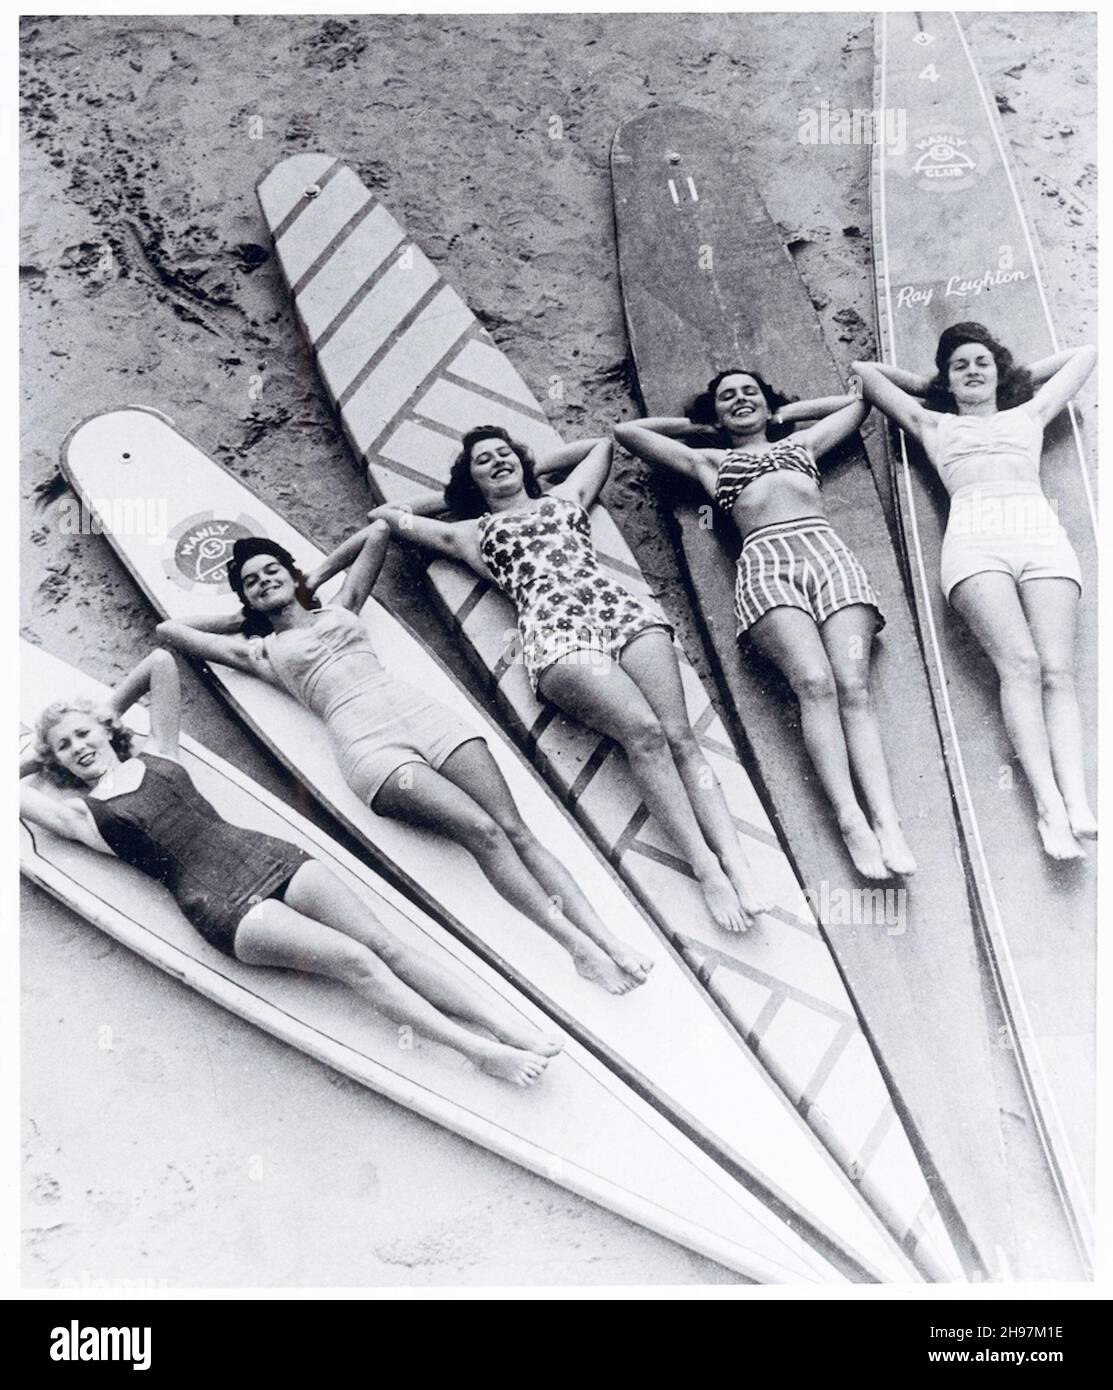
741, 466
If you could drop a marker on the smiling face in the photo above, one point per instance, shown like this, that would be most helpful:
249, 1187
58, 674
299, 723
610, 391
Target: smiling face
267, 584
496, 469
81, 746
972, 374
740, 406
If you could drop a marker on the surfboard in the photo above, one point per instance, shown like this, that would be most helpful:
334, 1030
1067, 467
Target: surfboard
952, 242
707, 283
711, 1085
579, 1126
410, 369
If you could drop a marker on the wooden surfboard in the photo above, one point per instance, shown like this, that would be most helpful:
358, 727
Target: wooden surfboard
580, 1126
410, 369
707, 284
711, 1084
952, 243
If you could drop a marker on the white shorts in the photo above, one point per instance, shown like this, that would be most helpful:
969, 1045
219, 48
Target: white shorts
1006, 529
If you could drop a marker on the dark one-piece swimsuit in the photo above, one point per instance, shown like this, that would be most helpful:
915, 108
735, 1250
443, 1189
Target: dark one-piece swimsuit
215, 871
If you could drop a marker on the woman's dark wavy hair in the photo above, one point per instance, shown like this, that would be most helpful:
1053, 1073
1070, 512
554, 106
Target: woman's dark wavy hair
701, 411
255, 624
119, 736
1014, 383
461, 495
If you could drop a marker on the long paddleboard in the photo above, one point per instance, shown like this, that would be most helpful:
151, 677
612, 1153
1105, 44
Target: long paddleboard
952, 243
410, 369
580, 1126
707, 283
695, 1069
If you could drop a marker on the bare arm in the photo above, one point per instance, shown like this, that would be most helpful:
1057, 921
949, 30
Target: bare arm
206, 645
1065, 384
158, 674
585, 482
897, 404
454, 539
660, 451
224, 623
913, 383
64, 816
362, 555
424, 504
1045, 367
817, 409
566, 457
825, 434
29, 765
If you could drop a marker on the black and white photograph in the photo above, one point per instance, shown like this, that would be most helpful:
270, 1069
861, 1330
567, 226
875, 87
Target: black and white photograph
558, 654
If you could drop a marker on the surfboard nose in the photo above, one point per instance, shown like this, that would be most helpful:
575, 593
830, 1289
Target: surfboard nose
292, 182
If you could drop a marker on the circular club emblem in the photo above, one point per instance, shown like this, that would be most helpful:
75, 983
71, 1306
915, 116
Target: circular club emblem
203, 546
944, 161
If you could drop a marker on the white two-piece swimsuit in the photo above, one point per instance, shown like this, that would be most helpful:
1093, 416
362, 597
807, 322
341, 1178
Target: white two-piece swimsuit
1001, 524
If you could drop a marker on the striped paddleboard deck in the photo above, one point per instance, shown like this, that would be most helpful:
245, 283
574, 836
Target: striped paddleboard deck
410, 369
580, 1126
952, 243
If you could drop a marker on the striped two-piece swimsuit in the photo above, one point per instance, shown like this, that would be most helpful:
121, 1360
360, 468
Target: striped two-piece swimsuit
802, 564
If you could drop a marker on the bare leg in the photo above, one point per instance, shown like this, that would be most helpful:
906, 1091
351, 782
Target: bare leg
317, 892
990, 606
1051, 607
650, 661
848, 640
472, 768
789, 638
419, 796
276, 934
602, 696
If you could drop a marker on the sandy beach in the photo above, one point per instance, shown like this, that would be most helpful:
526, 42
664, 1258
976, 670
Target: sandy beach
167, 1143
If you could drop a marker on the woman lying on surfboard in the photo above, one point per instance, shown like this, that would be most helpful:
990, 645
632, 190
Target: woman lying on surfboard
1007, 567
258, 899
402, 753
801, 596
598, 653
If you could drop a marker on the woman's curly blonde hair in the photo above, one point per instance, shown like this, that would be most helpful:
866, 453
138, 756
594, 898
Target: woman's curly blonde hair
121, 738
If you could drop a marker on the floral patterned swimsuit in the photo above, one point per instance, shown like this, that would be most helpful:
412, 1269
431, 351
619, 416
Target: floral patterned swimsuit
544, 560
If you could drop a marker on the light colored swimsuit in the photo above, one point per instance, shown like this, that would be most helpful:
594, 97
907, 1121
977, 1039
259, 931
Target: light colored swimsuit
801, 564
1004, 525
377, 723
544, 560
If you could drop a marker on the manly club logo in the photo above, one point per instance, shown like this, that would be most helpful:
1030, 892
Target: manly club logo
945, 162
203, 546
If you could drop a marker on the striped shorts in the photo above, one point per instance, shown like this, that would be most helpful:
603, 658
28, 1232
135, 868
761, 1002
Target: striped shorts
799, 564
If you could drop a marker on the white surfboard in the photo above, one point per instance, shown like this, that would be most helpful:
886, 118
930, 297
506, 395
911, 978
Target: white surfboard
580, 1126
666, 1038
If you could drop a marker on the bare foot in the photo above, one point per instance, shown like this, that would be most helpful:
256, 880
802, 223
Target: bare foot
864, 850
722, 901
753, 899
593, 965
1083, 822
895, 850
511, 1064
628, 960
1058, 839
518, 1033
